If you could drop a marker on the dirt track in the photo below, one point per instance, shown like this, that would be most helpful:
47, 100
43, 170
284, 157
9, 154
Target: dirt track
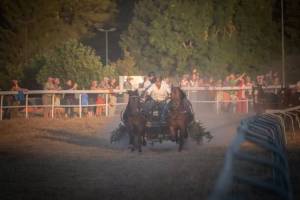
73, 159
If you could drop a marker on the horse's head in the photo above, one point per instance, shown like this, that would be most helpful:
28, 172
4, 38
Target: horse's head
285, 95
177, 94
134, 104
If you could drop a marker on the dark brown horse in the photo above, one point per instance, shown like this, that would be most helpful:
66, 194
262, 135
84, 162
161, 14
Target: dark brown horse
283, 99
179, 116
134, 121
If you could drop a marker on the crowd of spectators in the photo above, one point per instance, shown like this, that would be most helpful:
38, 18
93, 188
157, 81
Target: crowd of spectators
231, 100
93, 104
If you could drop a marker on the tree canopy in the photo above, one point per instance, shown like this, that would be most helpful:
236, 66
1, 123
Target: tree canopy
71, 60
214, 36
32, 27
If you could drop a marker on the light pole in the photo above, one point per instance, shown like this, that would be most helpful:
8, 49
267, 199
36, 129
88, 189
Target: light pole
106, 42
282, 46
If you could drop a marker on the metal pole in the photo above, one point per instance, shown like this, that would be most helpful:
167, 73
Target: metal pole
1, 107
106, 104
52, 106
282, 45
106, 48
80, 107
26, 106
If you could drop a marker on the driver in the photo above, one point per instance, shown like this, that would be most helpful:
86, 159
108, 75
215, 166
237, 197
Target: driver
159, 93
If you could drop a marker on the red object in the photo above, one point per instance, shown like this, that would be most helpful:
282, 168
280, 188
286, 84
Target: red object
241, 106
100, 108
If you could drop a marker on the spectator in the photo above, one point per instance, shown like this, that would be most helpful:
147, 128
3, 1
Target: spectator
57, 99
69, 98
47, 98
241, 97
100, 101
194, 81
295, 101
185, 81
113, 96
127, 85
18, 99
92, 99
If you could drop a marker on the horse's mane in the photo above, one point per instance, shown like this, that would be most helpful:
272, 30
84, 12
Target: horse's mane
181, 92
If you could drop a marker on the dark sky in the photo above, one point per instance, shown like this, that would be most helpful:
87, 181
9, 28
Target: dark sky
123, 18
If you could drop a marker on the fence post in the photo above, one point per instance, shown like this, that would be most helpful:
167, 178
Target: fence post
217, 105
26, 106
1, 107
80, 107
106, 104
247, 105
52, 106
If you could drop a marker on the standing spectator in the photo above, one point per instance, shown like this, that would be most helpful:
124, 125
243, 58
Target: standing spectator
194, 80
47, 98
92, 99
127, 85
113, 96
57, 98
185, 81
70, 98
100, 101
296, 96
241, 97
18, 99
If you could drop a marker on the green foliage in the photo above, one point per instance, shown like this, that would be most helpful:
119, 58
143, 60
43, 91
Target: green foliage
72, 60
174, 36
33, 27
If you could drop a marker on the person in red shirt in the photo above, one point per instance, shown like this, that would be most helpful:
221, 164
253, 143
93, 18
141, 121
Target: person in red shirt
241, 97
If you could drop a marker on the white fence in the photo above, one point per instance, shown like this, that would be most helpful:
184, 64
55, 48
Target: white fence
190, 91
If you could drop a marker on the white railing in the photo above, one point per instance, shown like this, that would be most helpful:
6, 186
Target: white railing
188, 90
56, 92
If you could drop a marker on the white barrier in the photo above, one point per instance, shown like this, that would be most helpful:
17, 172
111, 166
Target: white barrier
188, 90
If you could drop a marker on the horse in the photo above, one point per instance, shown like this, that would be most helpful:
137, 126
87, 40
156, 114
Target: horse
283, 99
180, 114
135, 121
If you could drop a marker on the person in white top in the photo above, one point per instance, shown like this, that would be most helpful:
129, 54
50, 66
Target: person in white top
159, 91
158, 94
149, 81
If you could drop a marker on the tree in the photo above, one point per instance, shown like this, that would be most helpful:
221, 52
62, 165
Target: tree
71, 60
216, 36
33, 27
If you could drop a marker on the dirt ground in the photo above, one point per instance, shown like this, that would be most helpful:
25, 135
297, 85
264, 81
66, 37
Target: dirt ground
74, 159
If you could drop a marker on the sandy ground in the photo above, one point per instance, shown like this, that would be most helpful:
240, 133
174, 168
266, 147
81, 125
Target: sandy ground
74, 159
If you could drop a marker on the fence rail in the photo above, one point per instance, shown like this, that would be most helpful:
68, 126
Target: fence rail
189, 90
268, 133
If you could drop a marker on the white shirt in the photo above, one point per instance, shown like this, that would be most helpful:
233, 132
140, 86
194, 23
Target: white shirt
159, 94
147, 83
